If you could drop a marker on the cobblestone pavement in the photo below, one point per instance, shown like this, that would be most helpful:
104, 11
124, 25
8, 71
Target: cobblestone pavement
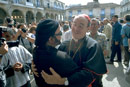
115, 76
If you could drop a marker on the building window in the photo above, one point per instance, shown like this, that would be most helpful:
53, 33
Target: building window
90, 13
38, 3
112, 11
55, 5
70, 13
62, 7
58, 5
103, 12
129, 7
48, 5
16, 1
28, 0
79, 12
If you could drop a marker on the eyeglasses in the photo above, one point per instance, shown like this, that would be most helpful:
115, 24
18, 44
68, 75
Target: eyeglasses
58, 34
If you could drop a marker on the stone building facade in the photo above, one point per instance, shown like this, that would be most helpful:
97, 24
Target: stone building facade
125, 7
94, 9
28, 11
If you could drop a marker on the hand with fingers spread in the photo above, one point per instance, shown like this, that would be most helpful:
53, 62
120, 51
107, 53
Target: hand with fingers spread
55, 78
33, 67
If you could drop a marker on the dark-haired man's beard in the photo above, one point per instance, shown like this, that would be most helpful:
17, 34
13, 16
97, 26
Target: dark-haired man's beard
57, 42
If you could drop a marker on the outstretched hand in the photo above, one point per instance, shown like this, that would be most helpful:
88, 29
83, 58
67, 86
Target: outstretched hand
55, 78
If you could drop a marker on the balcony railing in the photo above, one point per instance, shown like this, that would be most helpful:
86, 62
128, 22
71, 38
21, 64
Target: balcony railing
4, 1
29, 3
54, 8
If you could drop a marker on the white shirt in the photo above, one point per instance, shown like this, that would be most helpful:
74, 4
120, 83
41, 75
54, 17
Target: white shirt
67, 35
17, 54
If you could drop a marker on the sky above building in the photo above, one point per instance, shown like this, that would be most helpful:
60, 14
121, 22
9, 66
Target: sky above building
84, 2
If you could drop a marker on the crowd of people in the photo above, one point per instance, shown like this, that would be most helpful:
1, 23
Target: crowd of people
63, 54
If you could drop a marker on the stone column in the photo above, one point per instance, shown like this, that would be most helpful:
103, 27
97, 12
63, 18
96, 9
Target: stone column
34, 15
24, 16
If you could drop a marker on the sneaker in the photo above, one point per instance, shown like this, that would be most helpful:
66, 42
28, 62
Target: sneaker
117, 61
109, 62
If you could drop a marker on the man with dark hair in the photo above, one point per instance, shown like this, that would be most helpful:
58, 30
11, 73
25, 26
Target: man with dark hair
125, 35
115, 16
9, 22
116, 40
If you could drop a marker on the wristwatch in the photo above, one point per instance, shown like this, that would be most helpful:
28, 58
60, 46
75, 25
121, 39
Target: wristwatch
66, 82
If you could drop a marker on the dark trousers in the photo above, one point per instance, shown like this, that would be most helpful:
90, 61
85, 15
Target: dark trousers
116, 49
127, 54
2, 83
98, 82
28, 84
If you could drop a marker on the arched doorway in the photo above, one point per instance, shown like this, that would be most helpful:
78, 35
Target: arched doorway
47, 15
17, 15
3, 14
52, 16
29, 17
38, 16
56, 17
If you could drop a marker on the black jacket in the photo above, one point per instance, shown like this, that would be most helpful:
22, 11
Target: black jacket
81, 71
90, 59
58, 60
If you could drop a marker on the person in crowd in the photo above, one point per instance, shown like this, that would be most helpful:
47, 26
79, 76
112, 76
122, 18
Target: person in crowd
122, 22
3, 51
108, 32
31, 34
65, 29
85, 52
101, 26
24, 38
17, 62
116, 40
68, 34
124, 32
8, 22
99, 37
127, 18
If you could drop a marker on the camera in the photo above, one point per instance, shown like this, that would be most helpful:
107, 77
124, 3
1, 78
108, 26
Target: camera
9, 43
24, 30
2, 29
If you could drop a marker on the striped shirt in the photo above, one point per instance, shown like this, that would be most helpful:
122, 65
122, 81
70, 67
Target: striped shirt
17, 54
